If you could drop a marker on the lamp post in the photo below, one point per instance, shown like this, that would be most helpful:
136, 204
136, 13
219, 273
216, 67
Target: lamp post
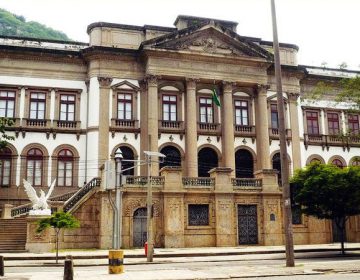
150, 245
117, 225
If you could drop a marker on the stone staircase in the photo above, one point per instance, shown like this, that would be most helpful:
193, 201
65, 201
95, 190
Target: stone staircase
12, 234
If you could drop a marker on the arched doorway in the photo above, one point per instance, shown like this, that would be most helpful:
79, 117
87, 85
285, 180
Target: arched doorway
128, 154
173, 156
139, 227
276, 164
244, 164
207, 160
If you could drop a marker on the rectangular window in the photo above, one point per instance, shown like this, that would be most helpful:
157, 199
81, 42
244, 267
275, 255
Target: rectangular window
206, 110
312, 122
241, 112
65, 171
67, 107
124, 106
169, 103
353, 122
37, 106
5, 169
274, 116
333, 123
198, 214
34, 172
7, 104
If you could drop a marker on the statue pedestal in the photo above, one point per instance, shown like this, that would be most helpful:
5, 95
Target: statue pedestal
44, 212
38, 242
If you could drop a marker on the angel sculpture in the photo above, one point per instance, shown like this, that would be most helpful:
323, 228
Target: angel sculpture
40, 205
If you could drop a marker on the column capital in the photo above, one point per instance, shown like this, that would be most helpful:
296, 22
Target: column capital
228, 86
262, 88
152, 80
105, 81
293, 96
191, 82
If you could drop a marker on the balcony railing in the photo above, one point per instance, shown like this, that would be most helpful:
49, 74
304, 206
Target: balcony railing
244, 130
124, 123
171, 125
142, 180
42, 123
209, 127
246, 183
274, 133
67, 124
345, 141
190, 182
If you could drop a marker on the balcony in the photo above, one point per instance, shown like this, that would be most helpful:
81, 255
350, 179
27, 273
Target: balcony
246, 183
198, 182
244, 130
141, 181
171, 126
72, 125
327, 141
36, 123
118, 125
209, 128
274, 133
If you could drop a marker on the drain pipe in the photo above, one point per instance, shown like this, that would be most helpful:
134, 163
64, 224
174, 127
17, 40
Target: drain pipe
87, 83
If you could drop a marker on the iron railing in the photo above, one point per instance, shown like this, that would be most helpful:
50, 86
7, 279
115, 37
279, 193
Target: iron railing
72, 201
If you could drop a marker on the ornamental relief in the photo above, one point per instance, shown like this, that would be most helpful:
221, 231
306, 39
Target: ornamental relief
133, 204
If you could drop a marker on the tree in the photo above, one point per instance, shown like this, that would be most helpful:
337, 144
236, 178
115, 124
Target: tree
328, 192
5, 122
58, 221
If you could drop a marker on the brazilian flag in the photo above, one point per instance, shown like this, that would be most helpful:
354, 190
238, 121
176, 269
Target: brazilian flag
215, 98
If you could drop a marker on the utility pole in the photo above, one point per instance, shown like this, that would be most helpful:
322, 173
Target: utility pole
116, 231
150, 241
289, 243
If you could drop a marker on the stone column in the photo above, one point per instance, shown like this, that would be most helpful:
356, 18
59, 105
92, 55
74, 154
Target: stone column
227, 126
104, 99
295, 133
144, 144
152, 119
191, 129
262, 128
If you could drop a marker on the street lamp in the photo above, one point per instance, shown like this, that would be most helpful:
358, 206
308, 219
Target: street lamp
116, 230
150, 245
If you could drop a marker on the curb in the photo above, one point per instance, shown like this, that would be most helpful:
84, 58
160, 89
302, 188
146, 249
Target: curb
178, 255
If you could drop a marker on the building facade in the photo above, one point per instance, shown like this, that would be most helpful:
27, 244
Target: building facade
150, 89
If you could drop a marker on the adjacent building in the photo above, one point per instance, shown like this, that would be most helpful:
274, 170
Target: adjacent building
149, 88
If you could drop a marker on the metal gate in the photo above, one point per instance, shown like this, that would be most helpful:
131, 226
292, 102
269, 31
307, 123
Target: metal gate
139, 228
247, 224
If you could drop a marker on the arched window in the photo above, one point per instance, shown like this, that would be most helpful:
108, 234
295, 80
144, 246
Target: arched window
5, 168
34, 167
207, 160
173, 156
356, 162
128, 154
244, 164
276, 164
338, 163
65, 168
315, 160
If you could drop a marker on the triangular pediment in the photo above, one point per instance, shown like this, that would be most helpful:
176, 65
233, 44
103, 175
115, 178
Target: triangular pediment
209, 39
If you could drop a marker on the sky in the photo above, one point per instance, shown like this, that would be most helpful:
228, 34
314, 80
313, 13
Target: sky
326, 31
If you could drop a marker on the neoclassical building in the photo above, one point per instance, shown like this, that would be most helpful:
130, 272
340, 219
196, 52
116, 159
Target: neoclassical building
149, 88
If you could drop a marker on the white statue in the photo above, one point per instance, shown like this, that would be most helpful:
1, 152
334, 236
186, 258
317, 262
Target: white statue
40, 205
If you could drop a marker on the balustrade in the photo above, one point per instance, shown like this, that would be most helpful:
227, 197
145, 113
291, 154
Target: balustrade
198, 182
246, 182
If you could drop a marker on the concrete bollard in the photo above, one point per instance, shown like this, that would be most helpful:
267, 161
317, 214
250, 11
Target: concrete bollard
2, 270
68, 268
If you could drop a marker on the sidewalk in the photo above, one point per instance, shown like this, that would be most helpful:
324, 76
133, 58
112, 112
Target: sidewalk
182, 252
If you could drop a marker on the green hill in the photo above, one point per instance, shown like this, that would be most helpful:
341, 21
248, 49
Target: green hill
14, 25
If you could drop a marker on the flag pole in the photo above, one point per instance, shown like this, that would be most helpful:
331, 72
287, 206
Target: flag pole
289, 243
